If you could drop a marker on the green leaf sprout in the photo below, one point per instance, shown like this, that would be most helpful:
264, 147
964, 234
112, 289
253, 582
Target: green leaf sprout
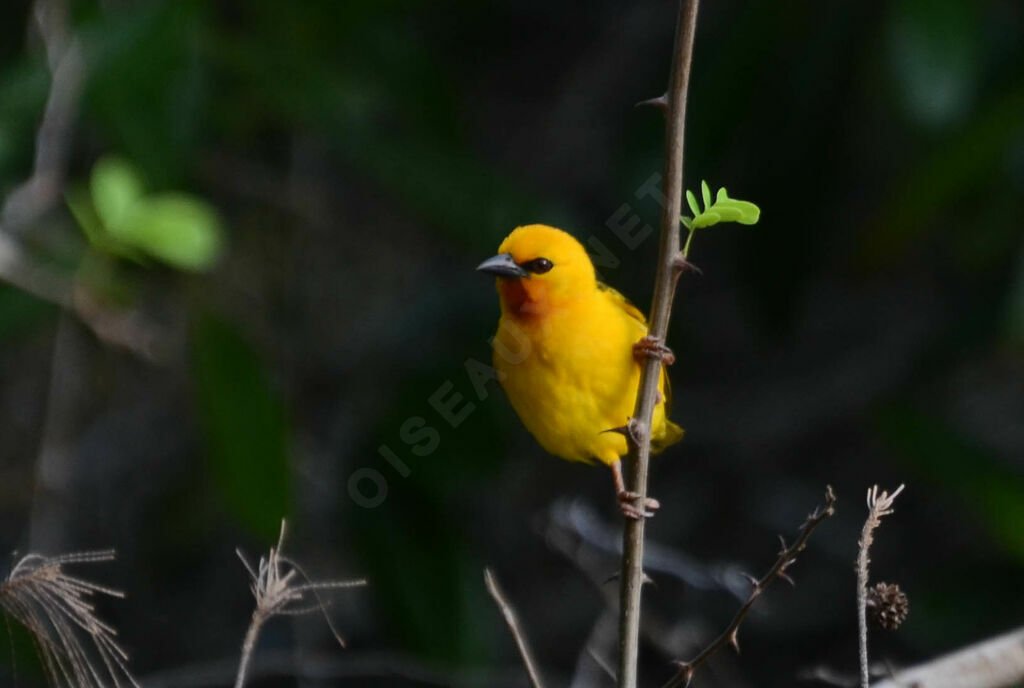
724, 209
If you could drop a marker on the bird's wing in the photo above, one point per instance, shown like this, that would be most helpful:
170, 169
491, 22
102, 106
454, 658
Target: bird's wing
625, 304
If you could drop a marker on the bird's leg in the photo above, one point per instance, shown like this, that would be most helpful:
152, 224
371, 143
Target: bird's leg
652, 347
627, 499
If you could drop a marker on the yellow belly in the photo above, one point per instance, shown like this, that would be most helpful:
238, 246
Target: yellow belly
571, 379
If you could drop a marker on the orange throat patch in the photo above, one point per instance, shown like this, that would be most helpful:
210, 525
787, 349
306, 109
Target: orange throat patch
523, 298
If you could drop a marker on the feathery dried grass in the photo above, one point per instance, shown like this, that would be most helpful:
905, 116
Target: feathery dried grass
77, 648
279, 593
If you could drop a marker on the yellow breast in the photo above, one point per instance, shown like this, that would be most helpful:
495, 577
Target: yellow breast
570, 375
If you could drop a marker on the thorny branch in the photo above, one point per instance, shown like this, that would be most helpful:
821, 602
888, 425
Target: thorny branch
879, 505
513, 626
787, 557
661, 308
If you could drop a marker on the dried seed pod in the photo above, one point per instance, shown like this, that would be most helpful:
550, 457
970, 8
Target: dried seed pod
888, 605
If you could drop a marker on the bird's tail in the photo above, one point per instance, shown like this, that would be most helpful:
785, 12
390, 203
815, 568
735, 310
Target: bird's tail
670, 434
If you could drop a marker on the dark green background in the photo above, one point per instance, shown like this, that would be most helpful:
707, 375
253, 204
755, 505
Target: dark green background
365, 156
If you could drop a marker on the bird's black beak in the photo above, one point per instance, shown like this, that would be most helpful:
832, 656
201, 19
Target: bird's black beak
502, 265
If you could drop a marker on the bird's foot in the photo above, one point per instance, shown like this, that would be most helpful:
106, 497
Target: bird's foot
652, 347
630, 503
633, 507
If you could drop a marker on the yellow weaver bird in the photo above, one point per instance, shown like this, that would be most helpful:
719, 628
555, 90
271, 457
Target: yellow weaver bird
567, 353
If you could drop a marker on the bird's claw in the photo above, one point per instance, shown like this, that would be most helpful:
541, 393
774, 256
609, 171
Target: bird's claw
629, 508
652, 347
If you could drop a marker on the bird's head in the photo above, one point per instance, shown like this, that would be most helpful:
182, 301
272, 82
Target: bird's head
539, 268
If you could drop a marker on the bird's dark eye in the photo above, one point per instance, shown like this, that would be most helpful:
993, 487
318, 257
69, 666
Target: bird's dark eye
538, 266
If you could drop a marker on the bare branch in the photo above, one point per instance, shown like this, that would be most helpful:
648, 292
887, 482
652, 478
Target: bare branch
879, 505
34, 197
42, 189
994, 663
513, 625
787, 557
661, 309
278, 591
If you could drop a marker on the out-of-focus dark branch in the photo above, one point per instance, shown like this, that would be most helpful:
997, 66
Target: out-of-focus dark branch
994, 663
330, 668
669, 269
37, 194
513, 626
787, 557
29, 201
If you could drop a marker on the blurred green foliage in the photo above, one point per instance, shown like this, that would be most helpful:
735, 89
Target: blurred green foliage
119, 218
245, 426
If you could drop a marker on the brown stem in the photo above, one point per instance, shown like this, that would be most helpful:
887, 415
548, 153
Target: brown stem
879, 505
786, 558
661, 306
513, 626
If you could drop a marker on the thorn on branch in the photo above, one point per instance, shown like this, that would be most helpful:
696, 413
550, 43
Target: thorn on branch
634, 431
680, 265
734, 639
661, 102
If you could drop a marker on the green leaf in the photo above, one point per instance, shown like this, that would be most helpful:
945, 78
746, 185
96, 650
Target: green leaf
692, 201
728, 213
724, 209
748, 213
244, 422
706, 220
82, 209
115, 187
178, 229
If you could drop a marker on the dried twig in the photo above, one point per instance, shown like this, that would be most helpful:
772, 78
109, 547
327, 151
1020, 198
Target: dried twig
64, 56
787, 557
994, 663
879, 505
77, 648
669, 270
278, 594
34, 197
513, 626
